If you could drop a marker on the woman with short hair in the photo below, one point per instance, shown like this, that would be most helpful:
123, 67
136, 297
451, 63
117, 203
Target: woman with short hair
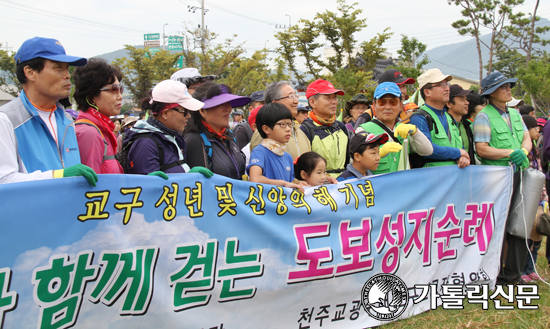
210, 142
98, 95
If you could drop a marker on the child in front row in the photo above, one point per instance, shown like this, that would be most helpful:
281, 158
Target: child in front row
312, 168
269, 163
364, 149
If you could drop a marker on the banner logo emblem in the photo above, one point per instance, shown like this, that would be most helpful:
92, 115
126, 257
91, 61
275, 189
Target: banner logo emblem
385, 297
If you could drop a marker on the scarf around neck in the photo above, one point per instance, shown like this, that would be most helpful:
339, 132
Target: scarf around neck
274, 146
321, 121
220, 135
102, 118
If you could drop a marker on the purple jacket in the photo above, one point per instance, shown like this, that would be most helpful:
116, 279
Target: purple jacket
143, 156
546, 148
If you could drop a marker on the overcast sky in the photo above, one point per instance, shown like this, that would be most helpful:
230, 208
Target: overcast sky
89, 28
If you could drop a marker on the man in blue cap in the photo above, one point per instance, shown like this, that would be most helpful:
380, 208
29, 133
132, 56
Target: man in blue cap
37, 137
388, 104
501, 138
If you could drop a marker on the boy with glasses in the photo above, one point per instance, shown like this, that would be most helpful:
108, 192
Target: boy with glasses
387, 106
269, 163
436, 124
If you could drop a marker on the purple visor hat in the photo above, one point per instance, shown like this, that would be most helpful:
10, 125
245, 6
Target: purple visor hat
225, 97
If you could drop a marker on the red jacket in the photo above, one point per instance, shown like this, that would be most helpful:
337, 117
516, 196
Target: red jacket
92, 147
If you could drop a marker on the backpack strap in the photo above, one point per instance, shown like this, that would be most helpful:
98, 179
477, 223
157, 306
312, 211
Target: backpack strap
207, 146
386, 129
90, 123
429, 119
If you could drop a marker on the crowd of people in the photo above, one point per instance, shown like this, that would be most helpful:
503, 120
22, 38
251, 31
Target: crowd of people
188, 130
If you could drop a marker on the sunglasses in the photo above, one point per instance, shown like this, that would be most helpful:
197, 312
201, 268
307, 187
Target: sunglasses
182, 111
505, 86
114, 89
384, 101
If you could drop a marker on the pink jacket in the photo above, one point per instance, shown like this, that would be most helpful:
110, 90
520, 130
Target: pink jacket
92, 147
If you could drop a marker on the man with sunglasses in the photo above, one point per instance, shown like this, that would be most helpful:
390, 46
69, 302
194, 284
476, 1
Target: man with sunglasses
283, 92
502, 138
387, 106
436, 124
37, 136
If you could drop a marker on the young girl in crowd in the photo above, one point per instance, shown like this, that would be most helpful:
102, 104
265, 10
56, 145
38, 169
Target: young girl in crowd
311, 168
269, 163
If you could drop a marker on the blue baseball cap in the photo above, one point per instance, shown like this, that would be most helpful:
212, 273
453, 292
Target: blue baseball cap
51, 49
494, 80
387, 88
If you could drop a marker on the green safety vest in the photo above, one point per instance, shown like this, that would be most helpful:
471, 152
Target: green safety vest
390, 162
501, 135
441, 138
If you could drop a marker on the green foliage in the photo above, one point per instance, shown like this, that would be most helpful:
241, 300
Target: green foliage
522, 35
489, 14
247, 75
7, 73
536, 81
409, 56
350, 68
143, 70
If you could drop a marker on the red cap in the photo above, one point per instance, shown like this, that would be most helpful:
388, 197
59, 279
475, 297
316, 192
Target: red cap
320, 86
252, 115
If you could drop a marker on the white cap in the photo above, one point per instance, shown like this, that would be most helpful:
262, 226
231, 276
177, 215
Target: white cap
432, 76
175, 92
515, 102
186, 73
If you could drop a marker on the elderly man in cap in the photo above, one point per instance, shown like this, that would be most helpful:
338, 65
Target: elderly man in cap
388, 105
328, 136
37, 136
191, 77
436, 124
501, 138
457, 107
282, 92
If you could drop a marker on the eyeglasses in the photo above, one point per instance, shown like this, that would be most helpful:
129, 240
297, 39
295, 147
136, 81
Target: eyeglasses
114, 89
284, 125
505, 86
291, 97
180, 110
383, 101
441, 84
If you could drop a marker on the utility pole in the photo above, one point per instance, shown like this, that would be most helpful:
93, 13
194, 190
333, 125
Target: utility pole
164, 37
203, 31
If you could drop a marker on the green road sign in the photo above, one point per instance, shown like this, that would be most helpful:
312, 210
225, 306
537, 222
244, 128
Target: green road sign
151, 36
179, 63
175, 46
175, 39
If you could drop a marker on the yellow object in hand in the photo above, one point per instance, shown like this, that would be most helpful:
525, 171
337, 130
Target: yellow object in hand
404, 130
390, 147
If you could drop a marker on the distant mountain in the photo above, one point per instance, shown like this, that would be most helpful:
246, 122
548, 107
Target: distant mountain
461, 58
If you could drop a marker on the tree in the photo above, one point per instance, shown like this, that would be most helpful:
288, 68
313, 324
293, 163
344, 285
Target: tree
8, 77
410, 57
522, 35
349, 68
142, 70
490, 14
536, 81
247, 75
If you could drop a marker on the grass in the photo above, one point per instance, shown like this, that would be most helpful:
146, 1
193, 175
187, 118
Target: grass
473, 316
